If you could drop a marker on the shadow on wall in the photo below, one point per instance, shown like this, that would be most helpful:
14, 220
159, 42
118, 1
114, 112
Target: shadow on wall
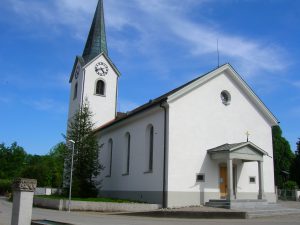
209, 169
239, 168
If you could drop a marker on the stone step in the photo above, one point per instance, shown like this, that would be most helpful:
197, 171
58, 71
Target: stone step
218, 200
245, 204
239, 204
272, 212
218, 204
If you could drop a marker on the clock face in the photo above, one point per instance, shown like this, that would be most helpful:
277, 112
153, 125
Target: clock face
101, 69
77, 72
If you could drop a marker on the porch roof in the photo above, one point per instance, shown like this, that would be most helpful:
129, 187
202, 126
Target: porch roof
246, 151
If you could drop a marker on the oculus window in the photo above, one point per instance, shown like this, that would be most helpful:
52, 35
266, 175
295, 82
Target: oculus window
225, 97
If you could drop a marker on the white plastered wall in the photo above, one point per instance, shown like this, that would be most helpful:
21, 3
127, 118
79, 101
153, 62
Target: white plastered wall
74, 103
137, 180
103, 107
200, 121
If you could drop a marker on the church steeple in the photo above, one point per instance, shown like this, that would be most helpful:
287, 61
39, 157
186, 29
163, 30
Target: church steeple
96, 42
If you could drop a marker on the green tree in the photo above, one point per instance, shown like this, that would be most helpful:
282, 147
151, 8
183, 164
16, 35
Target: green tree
57, 155
39, 168
86, 163
283, 156
11, 161
295, 167
47, 169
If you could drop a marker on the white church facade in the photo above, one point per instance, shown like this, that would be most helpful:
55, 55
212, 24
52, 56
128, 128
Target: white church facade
183, 148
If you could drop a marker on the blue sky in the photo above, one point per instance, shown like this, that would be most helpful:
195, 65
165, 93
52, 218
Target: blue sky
157, 45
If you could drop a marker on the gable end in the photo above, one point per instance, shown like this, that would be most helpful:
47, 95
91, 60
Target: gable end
239, 81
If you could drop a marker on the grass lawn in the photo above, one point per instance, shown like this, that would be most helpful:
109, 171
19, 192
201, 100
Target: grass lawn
86, 199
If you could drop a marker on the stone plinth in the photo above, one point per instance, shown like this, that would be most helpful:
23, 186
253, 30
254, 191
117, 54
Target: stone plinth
23, 190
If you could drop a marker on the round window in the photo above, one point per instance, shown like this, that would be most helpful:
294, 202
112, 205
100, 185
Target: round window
225, 97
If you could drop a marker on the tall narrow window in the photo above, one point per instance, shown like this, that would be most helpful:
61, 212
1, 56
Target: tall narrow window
100, 87
127, 153
149, 147
75, 91
110, 152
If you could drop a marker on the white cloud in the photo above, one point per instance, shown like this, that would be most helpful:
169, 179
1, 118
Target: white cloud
296, 83
72, 14
43, 81
47, 104
5, 100
250, 55
156, 21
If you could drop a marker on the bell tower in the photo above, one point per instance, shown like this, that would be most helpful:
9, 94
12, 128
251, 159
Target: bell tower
94, 77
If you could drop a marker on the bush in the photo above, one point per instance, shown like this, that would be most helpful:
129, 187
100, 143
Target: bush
5, 187
290, 185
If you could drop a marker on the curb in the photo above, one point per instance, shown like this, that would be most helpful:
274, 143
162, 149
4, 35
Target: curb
45, 222
191, 214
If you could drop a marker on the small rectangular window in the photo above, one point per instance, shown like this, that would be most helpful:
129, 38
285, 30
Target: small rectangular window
200, 177
252, 180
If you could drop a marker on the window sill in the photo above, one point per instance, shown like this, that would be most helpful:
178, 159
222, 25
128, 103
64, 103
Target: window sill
125, 174
226, 103
149, 171
108, 176
100, 95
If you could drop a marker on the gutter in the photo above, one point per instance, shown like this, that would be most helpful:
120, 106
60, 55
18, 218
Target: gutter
165, 106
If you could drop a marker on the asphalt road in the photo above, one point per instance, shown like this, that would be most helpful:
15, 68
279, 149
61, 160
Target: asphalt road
89, 218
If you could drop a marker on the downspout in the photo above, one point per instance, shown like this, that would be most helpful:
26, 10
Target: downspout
117, 94
82, 89
165, 106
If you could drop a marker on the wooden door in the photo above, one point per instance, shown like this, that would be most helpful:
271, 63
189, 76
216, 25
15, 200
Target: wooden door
223, 181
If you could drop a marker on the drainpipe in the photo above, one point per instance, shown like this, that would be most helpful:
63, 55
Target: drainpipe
165, 106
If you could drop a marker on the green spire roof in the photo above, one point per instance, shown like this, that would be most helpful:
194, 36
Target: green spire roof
96, 42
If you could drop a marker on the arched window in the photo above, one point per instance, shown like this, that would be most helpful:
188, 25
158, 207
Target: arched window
110, 153
149, 147
127, 153
100, 87
75, 91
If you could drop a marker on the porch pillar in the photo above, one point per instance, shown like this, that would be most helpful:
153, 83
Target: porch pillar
229, 180
261, 192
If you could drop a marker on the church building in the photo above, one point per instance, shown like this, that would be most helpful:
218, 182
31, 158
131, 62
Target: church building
186, 147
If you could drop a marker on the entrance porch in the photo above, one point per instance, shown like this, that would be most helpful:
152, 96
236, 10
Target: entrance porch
227, 155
